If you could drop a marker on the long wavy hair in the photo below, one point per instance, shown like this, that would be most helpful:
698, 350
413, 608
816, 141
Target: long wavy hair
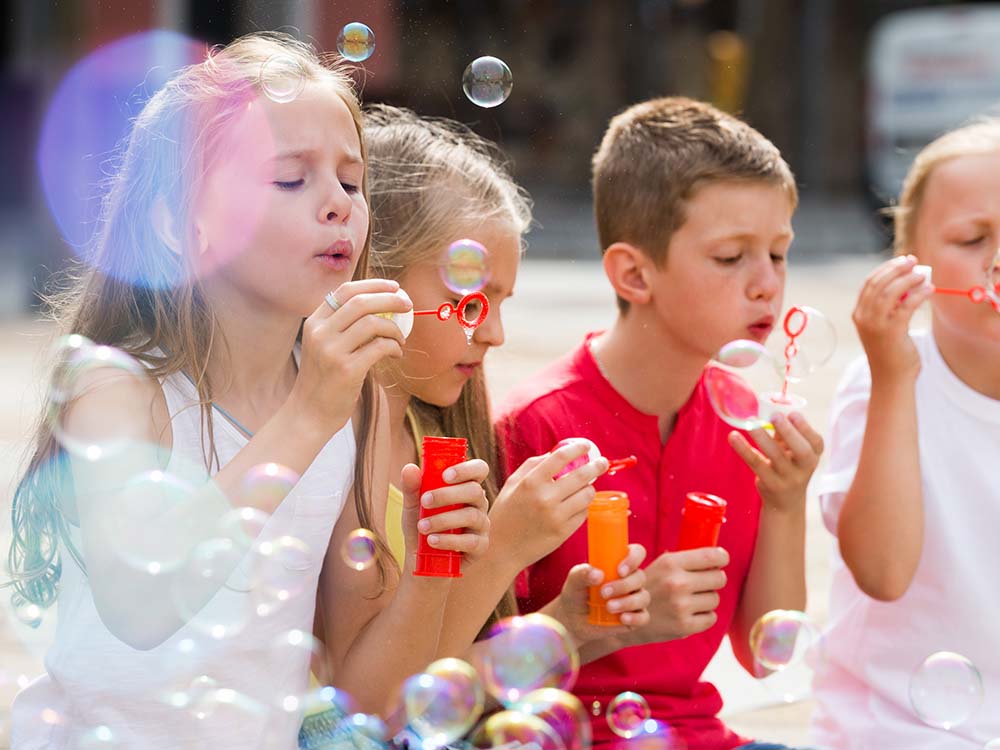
431, 182
153, 306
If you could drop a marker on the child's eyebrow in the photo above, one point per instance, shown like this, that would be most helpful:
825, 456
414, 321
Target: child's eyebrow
350, 158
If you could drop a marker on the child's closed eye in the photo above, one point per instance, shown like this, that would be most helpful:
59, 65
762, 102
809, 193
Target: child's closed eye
290, 184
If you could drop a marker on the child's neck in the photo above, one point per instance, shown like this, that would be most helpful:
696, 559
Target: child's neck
647, 371
974, 360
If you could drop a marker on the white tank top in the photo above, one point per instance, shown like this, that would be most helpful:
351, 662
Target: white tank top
93, 679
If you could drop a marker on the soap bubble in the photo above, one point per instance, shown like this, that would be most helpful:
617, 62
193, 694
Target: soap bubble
199, 593
441, 707
946, 690
744, 387
266, 485
626, 714
98, 738
356, 42
359, 549
465, 267
282, 78
487, 81
593, 453
526, 653
782, 637
517, 728
563, 712
812, 345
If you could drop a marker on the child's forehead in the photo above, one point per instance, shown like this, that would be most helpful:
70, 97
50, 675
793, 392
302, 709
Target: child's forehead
317, 122
725, 208
971, 181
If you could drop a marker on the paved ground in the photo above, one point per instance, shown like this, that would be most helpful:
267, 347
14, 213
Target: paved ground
556, 302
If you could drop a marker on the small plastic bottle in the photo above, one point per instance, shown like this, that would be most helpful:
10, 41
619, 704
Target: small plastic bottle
439, 453
701, 521
607, 543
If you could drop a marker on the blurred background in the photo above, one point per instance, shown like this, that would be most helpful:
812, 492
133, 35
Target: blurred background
849, 90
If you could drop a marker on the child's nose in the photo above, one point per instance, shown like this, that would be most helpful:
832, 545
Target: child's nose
337, 206
766, 282
490, 332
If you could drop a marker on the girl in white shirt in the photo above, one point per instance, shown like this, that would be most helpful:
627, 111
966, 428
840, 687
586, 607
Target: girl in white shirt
911, 490
231, 264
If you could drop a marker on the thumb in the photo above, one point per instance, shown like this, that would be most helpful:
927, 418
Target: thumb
580, 578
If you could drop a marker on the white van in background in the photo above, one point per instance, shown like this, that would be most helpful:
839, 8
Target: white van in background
929, 70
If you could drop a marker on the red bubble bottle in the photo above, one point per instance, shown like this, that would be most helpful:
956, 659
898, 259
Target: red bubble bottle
701, 521
439, 453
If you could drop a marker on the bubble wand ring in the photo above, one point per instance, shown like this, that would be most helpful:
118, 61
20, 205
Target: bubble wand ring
448, 310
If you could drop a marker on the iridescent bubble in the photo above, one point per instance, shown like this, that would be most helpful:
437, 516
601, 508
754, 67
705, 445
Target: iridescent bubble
359, 549
804, 342
946, 690
656, 735
300, 647
199, 593
438, 709
82, 368
368, 726
465, 267
487, 81
266, 485
280, 572
91, 112
527, 653
225, 706
356, 42
139, 521
334, 705
515, 728
782, 637
626, 714
562, 711
744, 387
282, 78
98, 738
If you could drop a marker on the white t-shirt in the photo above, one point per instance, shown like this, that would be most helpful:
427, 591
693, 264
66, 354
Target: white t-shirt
871, 649
143, 697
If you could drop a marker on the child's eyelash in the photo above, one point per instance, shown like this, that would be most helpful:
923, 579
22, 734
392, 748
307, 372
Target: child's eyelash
289, 185
349, 188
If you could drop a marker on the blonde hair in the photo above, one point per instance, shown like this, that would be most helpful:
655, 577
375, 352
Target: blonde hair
431, 182
153, 306
657, 153
979, 137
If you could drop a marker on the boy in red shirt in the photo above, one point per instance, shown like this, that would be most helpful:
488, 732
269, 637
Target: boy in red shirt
693, 212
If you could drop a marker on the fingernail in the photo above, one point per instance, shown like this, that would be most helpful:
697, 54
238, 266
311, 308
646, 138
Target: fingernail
613, 606
594, 576
426, 498
433, 539
777, 419
423, 525
623, 570
606, 592
448, 475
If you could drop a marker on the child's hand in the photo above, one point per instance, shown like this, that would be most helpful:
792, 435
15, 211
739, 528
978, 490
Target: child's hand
464, 489
683, 588
534, 513
783, 462
627, 595
340, 346
882, 316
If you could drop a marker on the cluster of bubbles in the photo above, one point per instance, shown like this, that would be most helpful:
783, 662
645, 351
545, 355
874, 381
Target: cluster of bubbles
748, 383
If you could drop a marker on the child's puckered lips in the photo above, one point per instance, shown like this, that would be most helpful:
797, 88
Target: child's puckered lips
762, 327
338, 255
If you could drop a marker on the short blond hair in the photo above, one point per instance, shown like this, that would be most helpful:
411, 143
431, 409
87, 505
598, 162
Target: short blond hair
979, 137
657, 153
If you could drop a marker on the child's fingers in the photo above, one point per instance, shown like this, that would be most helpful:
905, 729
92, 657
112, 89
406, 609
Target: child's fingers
885, 273
346, 291
701, 559
365, 330
577, 503
794, 441
636, 554
752, 457
467, 493
771, 445
620, 587
524, 469
806, 430
583, 576
409, 485
705, 601
635, 602
465, 543
475, 470
637, 619
459, 518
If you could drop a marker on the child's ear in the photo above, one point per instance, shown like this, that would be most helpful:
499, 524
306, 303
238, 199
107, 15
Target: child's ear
627, 268
163, 224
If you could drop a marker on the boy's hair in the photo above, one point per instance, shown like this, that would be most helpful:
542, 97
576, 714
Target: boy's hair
140, 293
656, 154
979, 137
432, 182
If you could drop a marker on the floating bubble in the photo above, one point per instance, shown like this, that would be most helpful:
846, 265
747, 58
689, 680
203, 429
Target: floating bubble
266, 485
90, 113
83, 367
282, 78
26, 612
626, 714
465, 267
656, 735
98, 738
335, 705
487, 81
356, 42
782, 637
744, 387
515, 728
300, 647
527, 653
359, 549
946, 690
593, 453
140, 521
439, 707
280, 572
563, 712
199, 592
804, 342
